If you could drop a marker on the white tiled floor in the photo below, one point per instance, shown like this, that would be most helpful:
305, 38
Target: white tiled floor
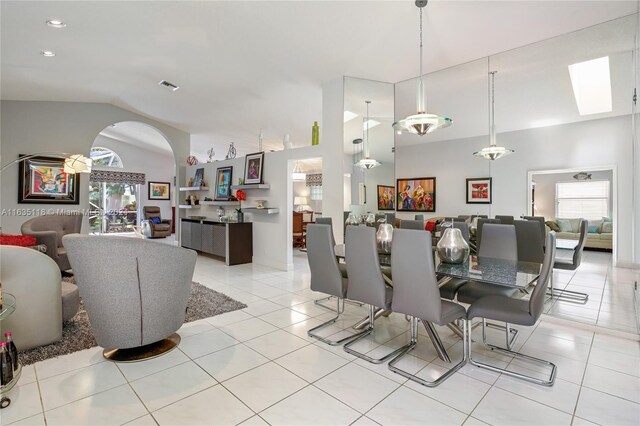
258, 366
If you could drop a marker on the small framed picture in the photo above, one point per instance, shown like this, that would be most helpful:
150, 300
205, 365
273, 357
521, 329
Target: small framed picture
386, 197
479, 190
43, 180
416, 194
253, 168
223, 183
159, 190
198, 178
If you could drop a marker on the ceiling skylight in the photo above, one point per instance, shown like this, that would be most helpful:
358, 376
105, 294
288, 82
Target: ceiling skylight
591, 82
348, 116
370, 124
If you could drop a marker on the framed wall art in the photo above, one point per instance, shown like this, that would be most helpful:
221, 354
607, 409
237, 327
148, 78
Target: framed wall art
42, 180
479, 190
386, 197
159, 190
223, 183
253, 168
199, 177
416, 194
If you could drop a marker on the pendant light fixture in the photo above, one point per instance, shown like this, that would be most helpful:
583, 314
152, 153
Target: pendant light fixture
422, 122
492, 152
298, 175
367, 162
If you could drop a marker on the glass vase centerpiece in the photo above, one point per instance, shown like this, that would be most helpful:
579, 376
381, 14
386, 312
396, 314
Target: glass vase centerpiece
384, 237
452, 248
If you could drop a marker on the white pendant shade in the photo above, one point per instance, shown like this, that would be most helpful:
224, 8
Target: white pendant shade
368, 163
493, 152
77, 163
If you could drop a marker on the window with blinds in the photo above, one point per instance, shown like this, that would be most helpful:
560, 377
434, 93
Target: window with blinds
315, 193
588, 200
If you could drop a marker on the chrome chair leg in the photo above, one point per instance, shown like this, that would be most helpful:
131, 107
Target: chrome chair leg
437, 343
566, 295
365, 321
367, 331
411, 346
511, 334
548, 382
312, 332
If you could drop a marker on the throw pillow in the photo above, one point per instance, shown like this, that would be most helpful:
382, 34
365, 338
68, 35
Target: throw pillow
565, 225
606, 219
155, 219
593, 229
607, 227
597, 224
552, 225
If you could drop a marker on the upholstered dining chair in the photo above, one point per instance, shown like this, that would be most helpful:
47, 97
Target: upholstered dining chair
499, 242
160, 228
419, 217
299, 233
366, 283
571, 265
530, 241
415, 293
505, 220
135, 292
481, 222
518, 311
49, 230
541, 222
412, 224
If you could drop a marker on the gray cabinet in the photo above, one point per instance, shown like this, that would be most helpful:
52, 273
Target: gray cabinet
231, 241
191, 234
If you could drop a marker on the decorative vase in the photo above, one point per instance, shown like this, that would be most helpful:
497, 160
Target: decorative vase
452, 248
286, 141
384, 237
315, 134
240, 216
370, 220
352, 220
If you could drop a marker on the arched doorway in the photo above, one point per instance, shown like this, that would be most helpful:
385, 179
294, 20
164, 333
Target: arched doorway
129, 158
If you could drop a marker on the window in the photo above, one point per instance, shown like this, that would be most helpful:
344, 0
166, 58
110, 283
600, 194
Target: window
105, 157
588, 200
316, 193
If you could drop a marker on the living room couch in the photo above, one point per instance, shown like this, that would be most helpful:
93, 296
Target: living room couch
599, 235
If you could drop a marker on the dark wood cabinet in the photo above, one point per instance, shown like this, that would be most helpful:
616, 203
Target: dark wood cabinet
232, 242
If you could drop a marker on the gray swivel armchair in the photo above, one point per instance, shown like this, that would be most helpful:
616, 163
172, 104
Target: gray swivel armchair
161, 228
49, 230
415, 293
135, 292
571, 265
326, 276
366, 283
412, 224
518, 311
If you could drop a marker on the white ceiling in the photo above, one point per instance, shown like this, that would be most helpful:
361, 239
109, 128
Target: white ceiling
242, 66
138, 134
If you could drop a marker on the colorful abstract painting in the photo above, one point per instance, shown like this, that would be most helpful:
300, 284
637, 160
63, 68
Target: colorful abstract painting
416, 194
386, 197
479, 190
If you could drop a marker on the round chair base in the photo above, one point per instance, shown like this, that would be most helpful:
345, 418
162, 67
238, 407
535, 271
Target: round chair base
141, 353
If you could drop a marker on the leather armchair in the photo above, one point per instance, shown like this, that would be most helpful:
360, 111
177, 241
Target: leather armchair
158, 230
34, 280
49, 230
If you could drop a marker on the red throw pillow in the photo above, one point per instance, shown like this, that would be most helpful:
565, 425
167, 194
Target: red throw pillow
430, 226
17, 240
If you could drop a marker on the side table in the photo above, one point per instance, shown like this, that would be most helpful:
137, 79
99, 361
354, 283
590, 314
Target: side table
8, 306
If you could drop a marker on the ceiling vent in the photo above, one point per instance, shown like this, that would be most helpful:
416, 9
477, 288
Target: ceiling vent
168, 85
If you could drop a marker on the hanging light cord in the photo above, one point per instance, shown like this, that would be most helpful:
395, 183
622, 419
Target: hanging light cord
421, 103
366, 148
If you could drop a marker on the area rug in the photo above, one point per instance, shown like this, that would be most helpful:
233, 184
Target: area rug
77, 335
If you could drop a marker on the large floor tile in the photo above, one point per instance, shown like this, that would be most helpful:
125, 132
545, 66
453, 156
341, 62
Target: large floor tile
500, 407
228, 318
66, 363
357, 386
195, 327
25, 403
248, 329
622, 385
261, 307
146, 420
310, 406
230, 362
206, 343
276, 344
77, 384
284, 317
215, 405
606, 409
623, 363
37, 420
311, 362
264, 386
137, 370
617, 344
407, 407
563, 395
115, 406
171, 385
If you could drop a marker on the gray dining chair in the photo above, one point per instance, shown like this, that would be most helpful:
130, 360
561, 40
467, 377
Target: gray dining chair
419, 217
530, 241
391, 218
517, 311
481, 222
326, 276
366, 283
571, 265
415, 293
499, 242
326, 221
454, 219
506, 220
412, 224
541, 222
449, 289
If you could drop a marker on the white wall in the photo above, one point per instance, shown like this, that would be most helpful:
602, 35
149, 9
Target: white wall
545, 195
604, 142
381, 175
157, 166
300, 189
29, 127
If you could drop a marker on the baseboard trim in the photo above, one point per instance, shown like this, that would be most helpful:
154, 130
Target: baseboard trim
627, 264
282, 266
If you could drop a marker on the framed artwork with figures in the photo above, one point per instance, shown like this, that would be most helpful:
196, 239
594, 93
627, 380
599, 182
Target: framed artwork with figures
43, 180
253, 168
386, 197
416, 194
479, 190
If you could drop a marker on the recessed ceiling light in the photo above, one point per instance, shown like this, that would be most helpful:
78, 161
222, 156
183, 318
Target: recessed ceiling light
168, 85
48, 53
348, 116
591, 81
56, 23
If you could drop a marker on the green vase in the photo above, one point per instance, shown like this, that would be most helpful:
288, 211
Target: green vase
315, 134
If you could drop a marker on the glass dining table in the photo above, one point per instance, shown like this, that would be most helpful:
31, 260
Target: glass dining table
499, 272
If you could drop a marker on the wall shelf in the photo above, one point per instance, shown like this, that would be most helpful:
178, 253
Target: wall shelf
220, 203
266, 210
189, 206
253, 186
194, 188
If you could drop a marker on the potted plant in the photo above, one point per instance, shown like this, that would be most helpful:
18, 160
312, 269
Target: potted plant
241, 196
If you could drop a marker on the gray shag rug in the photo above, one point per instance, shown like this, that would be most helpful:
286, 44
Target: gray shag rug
77, 334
